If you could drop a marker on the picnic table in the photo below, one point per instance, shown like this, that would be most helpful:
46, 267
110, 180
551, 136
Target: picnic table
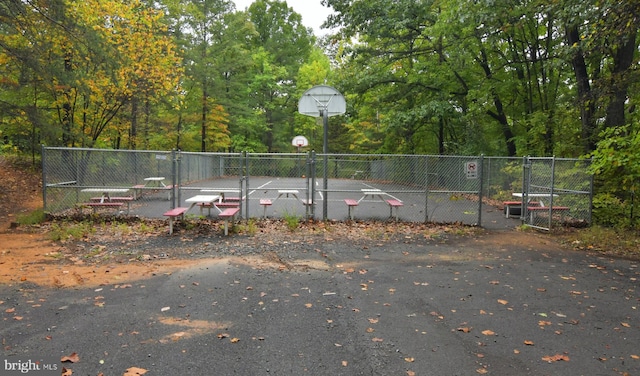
203, 201
106, 192
540, 207
373, 193
106, 200
221, 192
538, 196
152, 181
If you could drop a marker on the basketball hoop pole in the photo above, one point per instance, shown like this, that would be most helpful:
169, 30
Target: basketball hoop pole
325, 101
325, 162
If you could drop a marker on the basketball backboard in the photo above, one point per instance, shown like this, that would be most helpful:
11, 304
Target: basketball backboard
320, 98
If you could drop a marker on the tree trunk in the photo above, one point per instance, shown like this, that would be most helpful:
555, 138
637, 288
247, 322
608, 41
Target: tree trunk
586, 102
499, 114
67, 116
134, 123
622, 61
203, 130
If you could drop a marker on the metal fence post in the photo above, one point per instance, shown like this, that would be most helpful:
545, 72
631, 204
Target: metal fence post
44, 178
312, 168
179, 177
481, 173
553, 176
244, 178
426, 189
174, 178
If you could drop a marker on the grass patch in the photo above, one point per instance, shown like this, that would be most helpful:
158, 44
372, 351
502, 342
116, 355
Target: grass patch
608, 241
69, 230
292, 221
32, 218
251, 227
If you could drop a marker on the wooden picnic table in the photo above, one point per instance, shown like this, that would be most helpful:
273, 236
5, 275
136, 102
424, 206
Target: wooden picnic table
221, 192
202, 200
106, 191
537, 196
373, 193
155, 180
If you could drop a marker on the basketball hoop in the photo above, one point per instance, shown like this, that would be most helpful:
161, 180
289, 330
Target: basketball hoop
323, 101
300, 141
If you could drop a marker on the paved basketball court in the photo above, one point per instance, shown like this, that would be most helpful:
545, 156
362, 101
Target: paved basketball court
289, 195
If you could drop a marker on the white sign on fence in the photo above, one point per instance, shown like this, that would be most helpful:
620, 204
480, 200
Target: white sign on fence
471, 169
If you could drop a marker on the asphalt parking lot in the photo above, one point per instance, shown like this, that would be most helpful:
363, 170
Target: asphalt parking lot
499, 303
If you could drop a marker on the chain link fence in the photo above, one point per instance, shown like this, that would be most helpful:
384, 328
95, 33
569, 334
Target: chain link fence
561, 189
413, 188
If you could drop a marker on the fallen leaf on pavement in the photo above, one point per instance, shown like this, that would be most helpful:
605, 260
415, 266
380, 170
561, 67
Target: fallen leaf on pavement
73, 358
464, 329
503, 302
67, 371
529, 343
135, 371
376, 339
555, 358
488, 332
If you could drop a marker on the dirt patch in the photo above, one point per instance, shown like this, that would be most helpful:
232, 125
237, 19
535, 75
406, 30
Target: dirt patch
26, 255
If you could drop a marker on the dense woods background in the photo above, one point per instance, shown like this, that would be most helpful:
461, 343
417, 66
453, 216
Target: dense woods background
499, 77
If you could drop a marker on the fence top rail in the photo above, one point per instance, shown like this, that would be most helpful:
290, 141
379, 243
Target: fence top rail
108, 150
239, 154
63, 183
404, 156
217, 154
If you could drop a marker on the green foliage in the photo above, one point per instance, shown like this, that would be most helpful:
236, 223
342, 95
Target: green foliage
616, 160
251, 228
610, 211
70, 230
32, 218
292, 221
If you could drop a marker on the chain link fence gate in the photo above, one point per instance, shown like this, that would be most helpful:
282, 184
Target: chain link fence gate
424, 188
556, 191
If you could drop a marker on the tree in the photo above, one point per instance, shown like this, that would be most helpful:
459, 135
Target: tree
282, 46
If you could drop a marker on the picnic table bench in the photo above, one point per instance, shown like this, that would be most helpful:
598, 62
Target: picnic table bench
100, 201
394, 204
228, 214
513, 208
265, 202
96, 205
350, 205
105, 200
173, 214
